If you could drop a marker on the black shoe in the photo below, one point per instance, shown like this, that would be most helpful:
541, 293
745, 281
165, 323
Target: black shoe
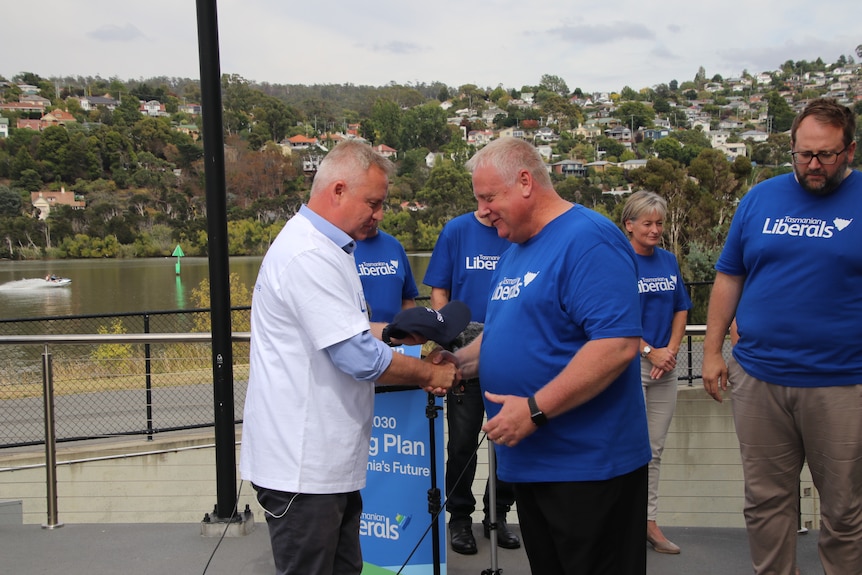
462, 540
505, 538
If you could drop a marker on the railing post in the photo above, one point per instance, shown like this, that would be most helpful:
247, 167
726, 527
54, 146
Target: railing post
690, 354
149, 380
50, 441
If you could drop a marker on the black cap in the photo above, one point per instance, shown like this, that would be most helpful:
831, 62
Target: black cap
441, 326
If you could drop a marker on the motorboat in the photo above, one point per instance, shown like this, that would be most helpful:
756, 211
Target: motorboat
54, 281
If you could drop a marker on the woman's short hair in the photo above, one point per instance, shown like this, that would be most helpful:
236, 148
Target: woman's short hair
643, 202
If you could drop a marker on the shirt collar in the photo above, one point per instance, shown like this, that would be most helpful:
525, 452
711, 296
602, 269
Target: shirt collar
328, 229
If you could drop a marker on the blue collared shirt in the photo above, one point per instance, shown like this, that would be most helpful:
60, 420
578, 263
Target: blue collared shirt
363, 356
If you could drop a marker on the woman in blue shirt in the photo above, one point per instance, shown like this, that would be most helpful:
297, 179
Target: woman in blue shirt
664, 312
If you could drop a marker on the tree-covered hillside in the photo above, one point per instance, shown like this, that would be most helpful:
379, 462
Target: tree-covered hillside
130, 151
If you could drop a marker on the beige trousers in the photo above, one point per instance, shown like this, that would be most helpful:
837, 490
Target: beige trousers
660, 399
779, 428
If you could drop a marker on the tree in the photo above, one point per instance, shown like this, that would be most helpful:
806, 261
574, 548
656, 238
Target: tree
611, 147
628, 95
10, 202
424, 127
447, 193
635, 115
554, 84
128, 112
716, 177
780, 111
386, 119
669, 179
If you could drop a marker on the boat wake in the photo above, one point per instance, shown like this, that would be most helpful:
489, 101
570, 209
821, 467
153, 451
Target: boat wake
34, 284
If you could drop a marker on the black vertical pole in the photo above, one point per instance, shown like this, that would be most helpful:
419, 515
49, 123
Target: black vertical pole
222, 355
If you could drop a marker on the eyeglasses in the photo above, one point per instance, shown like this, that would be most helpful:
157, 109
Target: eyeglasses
825, 158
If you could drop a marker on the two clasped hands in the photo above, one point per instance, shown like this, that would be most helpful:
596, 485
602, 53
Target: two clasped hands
512, 424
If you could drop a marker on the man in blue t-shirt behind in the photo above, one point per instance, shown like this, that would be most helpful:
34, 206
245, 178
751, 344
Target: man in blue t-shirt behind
464, 258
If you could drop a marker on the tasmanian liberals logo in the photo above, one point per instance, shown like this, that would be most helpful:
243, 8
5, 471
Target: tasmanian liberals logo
658, 284
804, 227
510, 288
389, 268
481, 262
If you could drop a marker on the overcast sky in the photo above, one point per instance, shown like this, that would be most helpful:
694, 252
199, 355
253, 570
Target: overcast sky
595, 46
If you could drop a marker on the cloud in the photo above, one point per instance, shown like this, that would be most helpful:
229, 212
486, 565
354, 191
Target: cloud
113, 33
603, 33
398, 48
661, 51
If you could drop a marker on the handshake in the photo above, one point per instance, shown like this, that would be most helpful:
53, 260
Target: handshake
417, 325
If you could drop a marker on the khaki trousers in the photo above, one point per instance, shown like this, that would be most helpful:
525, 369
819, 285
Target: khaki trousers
779, 428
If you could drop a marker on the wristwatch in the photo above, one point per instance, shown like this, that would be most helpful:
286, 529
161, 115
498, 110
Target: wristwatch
644, 352
537, 415
384, 335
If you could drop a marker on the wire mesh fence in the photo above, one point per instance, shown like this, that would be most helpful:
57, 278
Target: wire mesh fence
115, 388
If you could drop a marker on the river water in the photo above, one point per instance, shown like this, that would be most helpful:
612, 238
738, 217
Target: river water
113, 286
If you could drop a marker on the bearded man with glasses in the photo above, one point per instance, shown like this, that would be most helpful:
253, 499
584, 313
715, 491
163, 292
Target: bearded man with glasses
790, 273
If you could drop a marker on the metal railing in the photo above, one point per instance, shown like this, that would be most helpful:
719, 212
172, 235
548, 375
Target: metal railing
115, 384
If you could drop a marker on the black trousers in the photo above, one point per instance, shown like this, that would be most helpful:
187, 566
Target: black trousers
464, 414
313, 534
585, 527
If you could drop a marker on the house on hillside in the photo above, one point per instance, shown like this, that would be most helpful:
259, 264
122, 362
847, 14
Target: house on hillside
386, 151
44, 201
56, 118
480, 137
656, 133
29, 124
733, 150
569, 168
299, 142
513, 132
629, 165
34, 107
620, 134
754, 135
4, 127
192, 109
92, 102
153, 108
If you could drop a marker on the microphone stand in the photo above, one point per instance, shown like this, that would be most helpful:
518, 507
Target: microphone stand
492, 509
434, 508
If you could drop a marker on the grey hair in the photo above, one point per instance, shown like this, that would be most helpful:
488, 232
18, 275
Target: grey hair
349, 161
643, 202
508, 156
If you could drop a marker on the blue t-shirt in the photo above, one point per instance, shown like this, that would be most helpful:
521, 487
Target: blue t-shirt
573, 282
385, 274
465, 256
800, 314
662, 294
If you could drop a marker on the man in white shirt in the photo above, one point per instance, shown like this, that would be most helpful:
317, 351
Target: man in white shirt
314, 361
